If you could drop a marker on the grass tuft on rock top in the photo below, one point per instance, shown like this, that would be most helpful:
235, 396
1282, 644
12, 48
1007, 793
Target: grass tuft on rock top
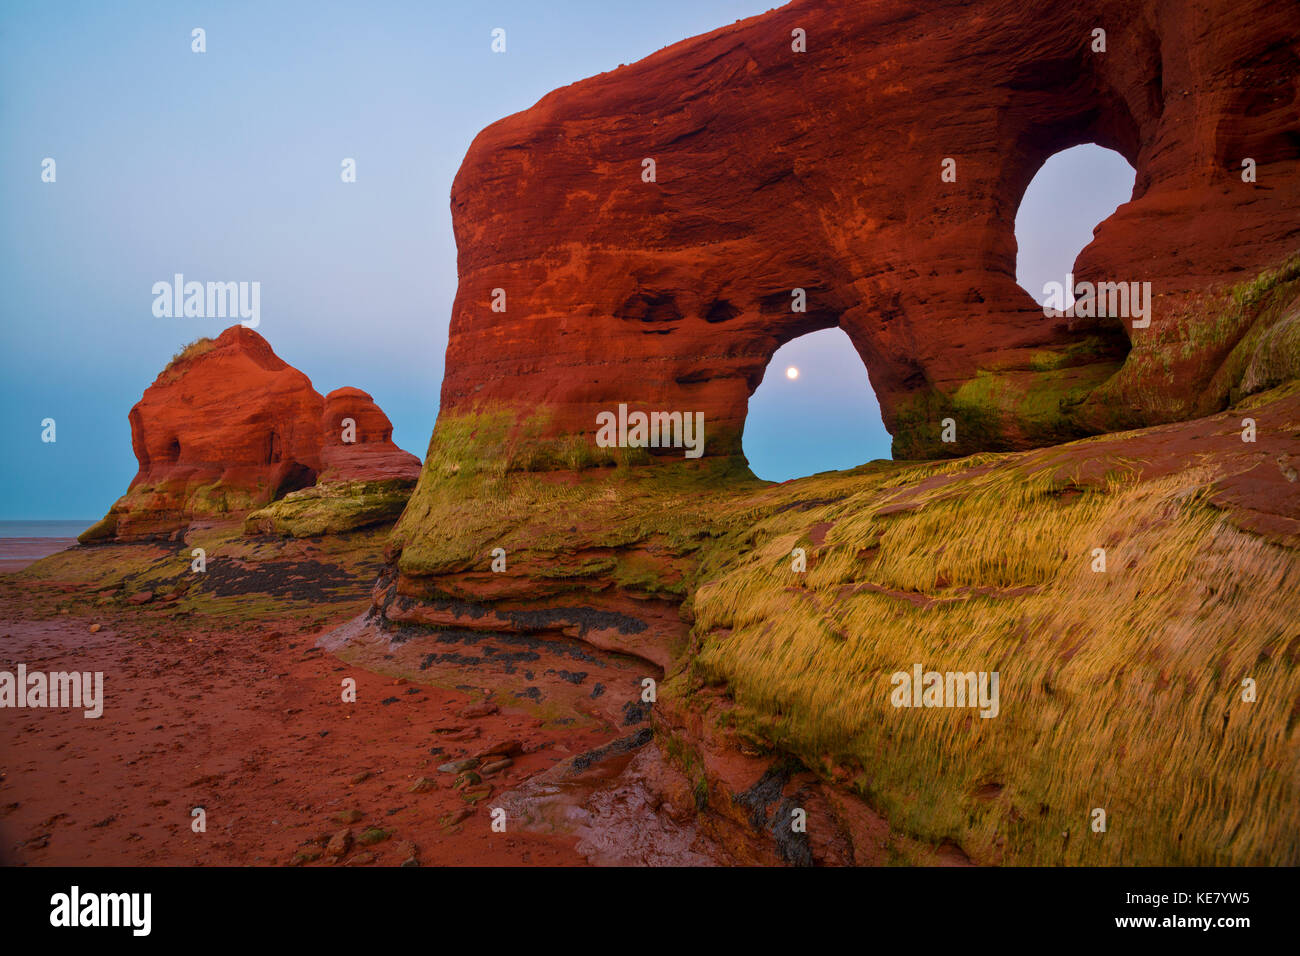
193, 350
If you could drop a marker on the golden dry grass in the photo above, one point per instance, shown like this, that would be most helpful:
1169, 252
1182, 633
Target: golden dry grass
1119, 690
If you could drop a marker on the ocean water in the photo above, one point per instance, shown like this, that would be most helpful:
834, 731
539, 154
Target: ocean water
63, 528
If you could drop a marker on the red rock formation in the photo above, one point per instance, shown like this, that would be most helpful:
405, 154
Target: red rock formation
821, 170
228, 426
583, 286
363, 449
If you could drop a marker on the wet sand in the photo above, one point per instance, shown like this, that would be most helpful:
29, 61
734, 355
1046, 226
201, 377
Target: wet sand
18, 553
251, 727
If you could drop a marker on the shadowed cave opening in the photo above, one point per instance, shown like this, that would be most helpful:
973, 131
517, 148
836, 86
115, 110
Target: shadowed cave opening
1073, 192
824, 418
293, 476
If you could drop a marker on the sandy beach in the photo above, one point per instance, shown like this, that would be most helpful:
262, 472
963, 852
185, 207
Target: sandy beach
18, 553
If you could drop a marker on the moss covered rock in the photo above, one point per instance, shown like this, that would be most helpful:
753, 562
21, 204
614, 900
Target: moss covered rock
331, 508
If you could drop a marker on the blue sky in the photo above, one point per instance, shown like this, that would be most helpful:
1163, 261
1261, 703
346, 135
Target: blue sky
225, 165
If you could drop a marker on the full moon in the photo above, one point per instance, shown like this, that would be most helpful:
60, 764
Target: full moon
792, 373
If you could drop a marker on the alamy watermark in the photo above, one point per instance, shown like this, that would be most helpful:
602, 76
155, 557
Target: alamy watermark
1087, 300
651, 430
56, 689
75, 908
211, 300
923, 688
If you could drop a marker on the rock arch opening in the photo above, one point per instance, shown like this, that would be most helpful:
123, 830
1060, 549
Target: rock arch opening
1072, 193
823, 416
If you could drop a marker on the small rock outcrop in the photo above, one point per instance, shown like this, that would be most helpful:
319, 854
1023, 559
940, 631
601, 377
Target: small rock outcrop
357, 441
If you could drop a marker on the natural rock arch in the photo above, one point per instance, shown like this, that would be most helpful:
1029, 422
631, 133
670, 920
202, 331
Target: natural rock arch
822, 171
1070, 195
823, 417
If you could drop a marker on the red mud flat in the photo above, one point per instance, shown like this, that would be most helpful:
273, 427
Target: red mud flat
18, 553
250, 725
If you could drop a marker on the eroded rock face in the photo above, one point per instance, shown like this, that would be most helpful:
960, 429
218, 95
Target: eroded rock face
822, 171
229, 427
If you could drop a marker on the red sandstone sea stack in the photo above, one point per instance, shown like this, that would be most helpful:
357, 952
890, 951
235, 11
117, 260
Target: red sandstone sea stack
229, 427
